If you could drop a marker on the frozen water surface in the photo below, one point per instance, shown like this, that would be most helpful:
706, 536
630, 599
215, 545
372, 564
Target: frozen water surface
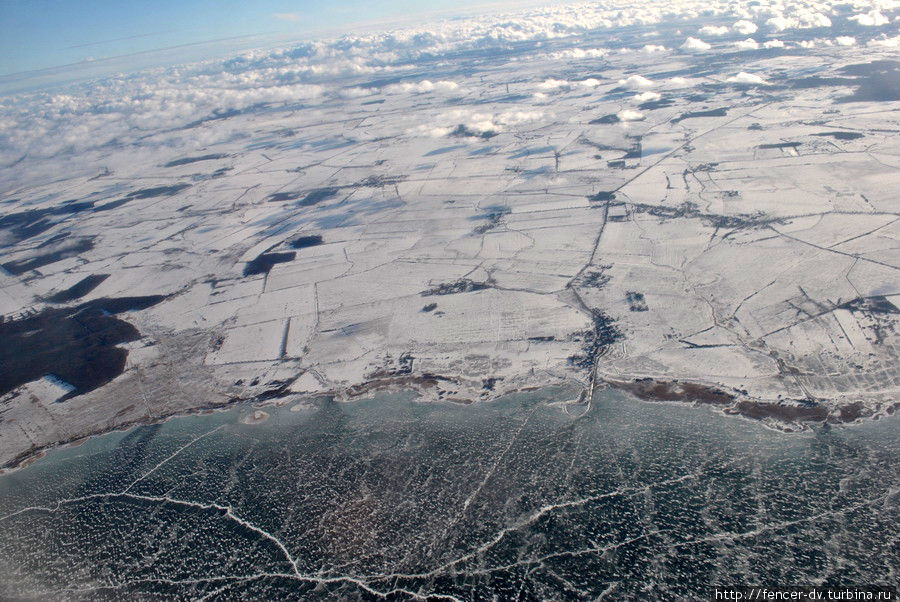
517, 498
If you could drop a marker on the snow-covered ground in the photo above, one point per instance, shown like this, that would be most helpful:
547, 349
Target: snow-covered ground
657, 199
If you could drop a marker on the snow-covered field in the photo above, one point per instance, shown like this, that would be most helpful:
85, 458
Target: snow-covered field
638, 196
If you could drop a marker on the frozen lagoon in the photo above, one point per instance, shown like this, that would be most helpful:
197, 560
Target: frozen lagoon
524, 496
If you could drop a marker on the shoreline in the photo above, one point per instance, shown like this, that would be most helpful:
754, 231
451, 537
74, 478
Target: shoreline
781, 417
796, 416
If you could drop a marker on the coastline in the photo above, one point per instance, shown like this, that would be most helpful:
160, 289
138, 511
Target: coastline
787, 418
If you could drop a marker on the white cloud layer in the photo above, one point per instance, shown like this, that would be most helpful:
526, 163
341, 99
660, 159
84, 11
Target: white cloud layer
884, 42
422, 87
745, 27
636, 82
475, 122
648, 96
553, 84
800, 19
695, 44
580, 53
746, 78
713, 30
153, 106
630, 115
872, 18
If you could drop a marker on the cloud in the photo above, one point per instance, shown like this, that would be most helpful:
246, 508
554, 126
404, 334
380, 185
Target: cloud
695, 44
648, 96
422, 87
872, 18
152, 107
744, 27
803, 18
630, 115
814, 20
845, 41
580, 53
747, 78
473, 122
517, 117
356, 92
779, 23
636, 82
884, 42
129, 109
712, 30
748, 44
429, 131
552, 84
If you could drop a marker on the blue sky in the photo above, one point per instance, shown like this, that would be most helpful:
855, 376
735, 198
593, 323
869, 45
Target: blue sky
38, 34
